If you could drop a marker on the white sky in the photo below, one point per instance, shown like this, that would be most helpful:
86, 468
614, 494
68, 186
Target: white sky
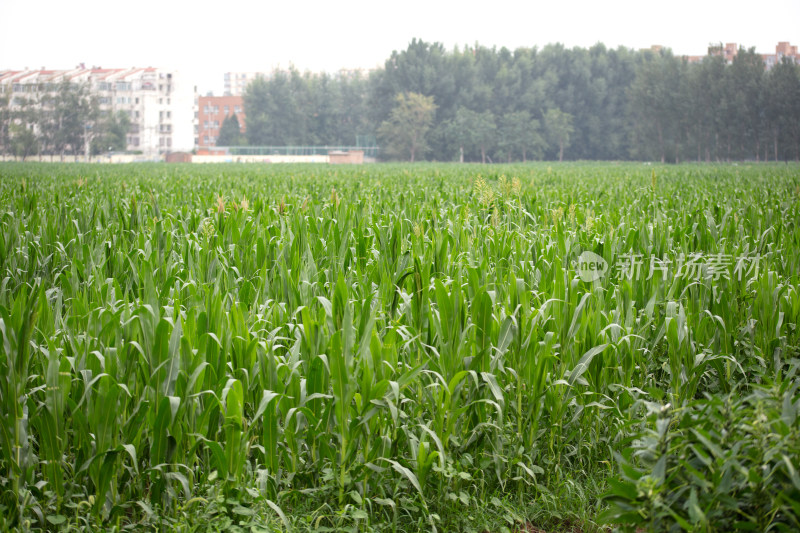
204, 39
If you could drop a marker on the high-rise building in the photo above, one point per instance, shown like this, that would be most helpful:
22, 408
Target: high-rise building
236, 82
158, 102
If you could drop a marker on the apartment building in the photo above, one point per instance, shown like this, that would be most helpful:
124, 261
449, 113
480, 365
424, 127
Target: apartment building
211, 112
783, 49
728, 51
236, 82
158, 102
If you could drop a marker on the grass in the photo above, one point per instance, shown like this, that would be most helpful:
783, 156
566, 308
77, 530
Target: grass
399, 348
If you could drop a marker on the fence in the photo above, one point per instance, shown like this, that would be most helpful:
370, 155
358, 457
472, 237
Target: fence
369, 151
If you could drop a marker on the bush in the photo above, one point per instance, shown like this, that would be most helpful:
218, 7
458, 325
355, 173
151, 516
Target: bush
722, 463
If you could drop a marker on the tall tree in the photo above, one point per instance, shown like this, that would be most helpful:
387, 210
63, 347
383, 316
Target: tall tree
257, 103
274, 109
73, 112
24, 121
422, 68
744, 94
230, 133
558, 125
404, 132
293, 108
111, 132
5, 121
783, 109
705, 98
473, 132
654, 100
520, 134
23, 141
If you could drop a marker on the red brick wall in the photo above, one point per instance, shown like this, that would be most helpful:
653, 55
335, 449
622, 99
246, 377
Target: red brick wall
211, 113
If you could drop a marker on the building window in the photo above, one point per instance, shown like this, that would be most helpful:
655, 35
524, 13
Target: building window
169, 114
227, 110
237, 109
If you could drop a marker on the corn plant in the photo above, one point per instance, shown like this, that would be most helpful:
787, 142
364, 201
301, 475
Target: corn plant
398, 347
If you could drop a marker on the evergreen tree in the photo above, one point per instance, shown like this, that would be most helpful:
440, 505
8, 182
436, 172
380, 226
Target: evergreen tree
230, 133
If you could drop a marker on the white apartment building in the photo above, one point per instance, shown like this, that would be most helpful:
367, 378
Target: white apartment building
158, 102
236, 82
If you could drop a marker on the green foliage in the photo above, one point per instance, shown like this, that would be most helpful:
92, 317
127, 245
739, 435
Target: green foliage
5, 121
558, 126
290, 108
230, 133
23, 141
472, 132
499, 105
520, 135
722, 463
403, 134
390, 348
68, 119
111, 133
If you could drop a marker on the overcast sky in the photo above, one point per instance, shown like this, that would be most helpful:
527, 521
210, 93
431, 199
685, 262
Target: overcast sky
204, 39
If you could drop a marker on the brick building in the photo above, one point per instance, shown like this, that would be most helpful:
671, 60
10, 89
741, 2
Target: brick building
211, 113
729, 50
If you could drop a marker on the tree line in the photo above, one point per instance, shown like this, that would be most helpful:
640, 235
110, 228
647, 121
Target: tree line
63, 119
292, 108
479, 104
484, 104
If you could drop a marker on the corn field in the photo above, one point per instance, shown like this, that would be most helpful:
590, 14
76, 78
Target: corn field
399, 348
